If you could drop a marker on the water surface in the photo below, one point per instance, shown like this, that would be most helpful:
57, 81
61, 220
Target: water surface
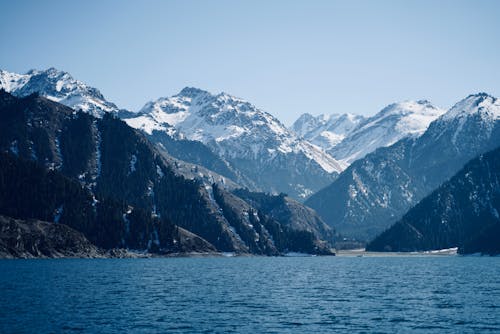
251, 295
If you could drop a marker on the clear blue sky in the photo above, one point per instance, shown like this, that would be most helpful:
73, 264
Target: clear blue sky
287, 57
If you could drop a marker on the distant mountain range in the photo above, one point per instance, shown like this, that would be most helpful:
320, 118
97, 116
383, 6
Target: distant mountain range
240, 141
350, 137
375, 191
230, 165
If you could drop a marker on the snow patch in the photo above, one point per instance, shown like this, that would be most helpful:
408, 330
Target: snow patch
133, 161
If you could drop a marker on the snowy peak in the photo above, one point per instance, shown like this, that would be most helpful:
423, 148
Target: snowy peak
326, 131
252, 141
409, 117
304, 124
394, 122
199, 115
12, 81
192, 92
58, 86
481, 104
477, 113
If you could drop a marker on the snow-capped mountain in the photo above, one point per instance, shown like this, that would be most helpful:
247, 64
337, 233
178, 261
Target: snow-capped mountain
236, 131
325, 131
377, 190
57, 86
394, 122
109, 182
251, 140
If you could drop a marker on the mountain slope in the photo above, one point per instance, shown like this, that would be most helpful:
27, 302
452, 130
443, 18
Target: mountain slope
326, 131
394, 122
117, 168
377, 190
463, 212
288, 212
253, 142
28, 191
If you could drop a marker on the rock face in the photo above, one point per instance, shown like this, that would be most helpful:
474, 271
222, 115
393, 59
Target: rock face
260, 152
374, 192
35, 239
104, 179
463, 212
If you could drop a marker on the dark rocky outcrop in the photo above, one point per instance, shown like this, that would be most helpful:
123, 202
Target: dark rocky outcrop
37, 239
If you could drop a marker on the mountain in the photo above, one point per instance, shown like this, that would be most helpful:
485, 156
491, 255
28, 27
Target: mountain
257, 226
394, 122
463, 212
106, 180
325, 131
58, 86
377, 190
222, 133
252, 142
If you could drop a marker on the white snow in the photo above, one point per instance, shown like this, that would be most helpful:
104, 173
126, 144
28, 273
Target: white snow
133, 161
391, 124
11, 82
159, 171
482, 105
58, 86
58, 154
145, 124
325, 131
229, 125
97, 171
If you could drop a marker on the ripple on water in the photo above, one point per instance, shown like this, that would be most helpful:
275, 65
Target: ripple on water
251, 295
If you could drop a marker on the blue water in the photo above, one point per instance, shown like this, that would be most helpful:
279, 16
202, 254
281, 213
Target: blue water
251, 295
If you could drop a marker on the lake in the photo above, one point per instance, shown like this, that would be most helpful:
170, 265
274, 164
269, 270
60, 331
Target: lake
433, 294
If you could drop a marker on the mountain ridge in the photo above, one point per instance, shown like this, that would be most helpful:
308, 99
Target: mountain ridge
378, 189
